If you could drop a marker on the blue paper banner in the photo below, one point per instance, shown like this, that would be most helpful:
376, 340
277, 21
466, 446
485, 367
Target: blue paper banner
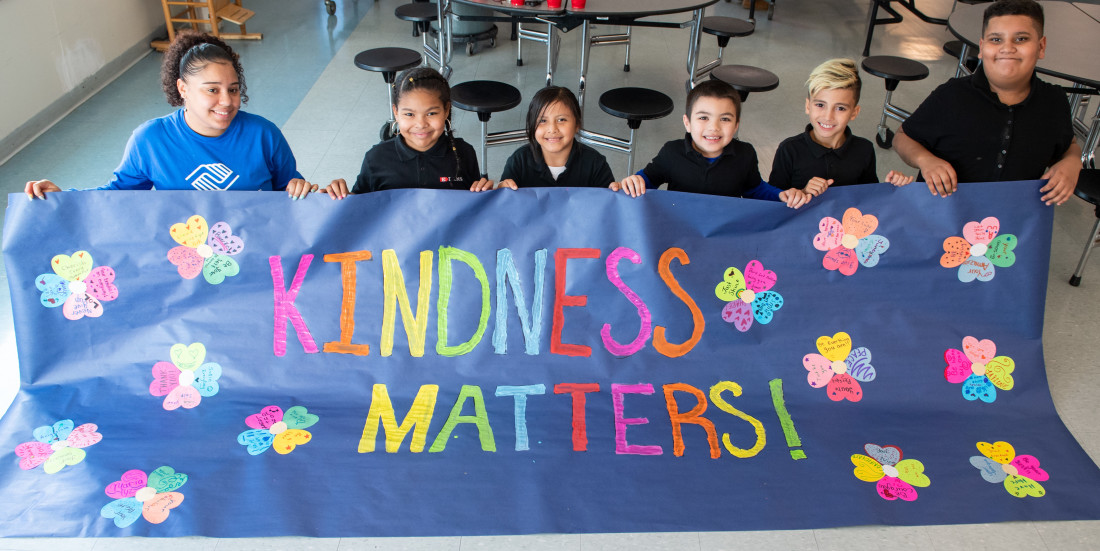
440, 363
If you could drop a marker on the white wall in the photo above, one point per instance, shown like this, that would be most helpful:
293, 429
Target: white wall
52, 53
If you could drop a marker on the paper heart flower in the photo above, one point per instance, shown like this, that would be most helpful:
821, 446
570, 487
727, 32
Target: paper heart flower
980, 370
1020, 474
850, 243
76, 287
748, 296
895, 477
979, 251
838, 368
152, 497
271, 428
57, 446
186, 380
205, 250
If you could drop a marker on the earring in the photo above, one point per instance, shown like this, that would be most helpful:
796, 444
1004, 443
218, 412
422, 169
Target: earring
447, 126
394, 129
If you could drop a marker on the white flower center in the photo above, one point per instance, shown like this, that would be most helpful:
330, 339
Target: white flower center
187, 377
204, 250
748, 295
849, 241
840, 367
978, 249
1010, 469
890, 470
59, 445
278, 428
145, 494
978, 369
78, 287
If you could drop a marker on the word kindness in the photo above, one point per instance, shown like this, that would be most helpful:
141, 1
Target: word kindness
507, 277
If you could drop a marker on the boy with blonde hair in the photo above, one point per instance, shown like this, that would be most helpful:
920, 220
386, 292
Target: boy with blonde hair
826, 153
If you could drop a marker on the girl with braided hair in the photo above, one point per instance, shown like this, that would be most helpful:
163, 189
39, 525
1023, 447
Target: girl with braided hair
207, 144
424, 153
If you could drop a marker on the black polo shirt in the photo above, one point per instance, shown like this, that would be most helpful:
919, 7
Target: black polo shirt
733, 174
393, 165
799, 158
585, 167
964, 123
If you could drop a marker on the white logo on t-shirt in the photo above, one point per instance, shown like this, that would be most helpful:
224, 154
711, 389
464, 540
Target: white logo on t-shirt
212, 177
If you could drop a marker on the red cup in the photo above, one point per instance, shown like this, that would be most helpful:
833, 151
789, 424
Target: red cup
577, 4
553, 4
517, 2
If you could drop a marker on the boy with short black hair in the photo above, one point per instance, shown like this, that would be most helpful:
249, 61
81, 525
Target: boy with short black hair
709, 159
826, 153
1002, 122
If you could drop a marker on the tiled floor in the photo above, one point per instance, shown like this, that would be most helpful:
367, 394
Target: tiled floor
301, 76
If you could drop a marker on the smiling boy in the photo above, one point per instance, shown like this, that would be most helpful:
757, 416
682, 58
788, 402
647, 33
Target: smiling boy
710, 159
826, 153
1001, 123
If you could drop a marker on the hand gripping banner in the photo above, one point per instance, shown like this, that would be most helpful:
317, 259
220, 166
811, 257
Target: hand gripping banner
450, 363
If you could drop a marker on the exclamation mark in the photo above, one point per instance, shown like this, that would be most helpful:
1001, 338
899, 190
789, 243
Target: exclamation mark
785, 419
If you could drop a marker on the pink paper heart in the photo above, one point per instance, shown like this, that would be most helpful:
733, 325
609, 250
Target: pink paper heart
820, 370
101, 283
188, 261
979, 352
79, 306
186, 397
165, 378
223, 241
265, 418
757, 278
982, 232
832, 232
841, 259
83, 436
1028, 465
128, 486
958, 366
891, 488
33, 454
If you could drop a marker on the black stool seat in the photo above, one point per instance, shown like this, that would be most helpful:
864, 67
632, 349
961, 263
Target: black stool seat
635, 104
954, 49
746, 78
485, 97
727, 26
1088, 188
387, 60
419, 12
894, 68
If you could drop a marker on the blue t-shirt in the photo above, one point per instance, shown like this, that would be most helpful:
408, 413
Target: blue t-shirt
164, 153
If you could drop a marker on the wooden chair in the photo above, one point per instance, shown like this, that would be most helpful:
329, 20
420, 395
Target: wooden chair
216, 12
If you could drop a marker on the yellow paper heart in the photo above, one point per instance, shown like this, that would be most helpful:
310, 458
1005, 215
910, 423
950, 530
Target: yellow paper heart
999, 371
1001, 452
835, 348
192, 234
287, 440
72, 268
867, 469
1020, 486
188, 357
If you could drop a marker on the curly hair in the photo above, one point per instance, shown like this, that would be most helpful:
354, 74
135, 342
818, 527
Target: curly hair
188, 54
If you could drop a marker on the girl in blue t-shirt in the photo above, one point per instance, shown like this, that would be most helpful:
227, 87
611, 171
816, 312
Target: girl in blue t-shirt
424, 153
208, 144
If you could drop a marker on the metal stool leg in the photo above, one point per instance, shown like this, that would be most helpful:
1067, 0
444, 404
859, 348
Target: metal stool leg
1075, 280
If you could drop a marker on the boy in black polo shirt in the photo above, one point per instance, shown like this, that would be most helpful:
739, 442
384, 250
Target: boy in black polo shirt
709, 159
1001, 123
827, 154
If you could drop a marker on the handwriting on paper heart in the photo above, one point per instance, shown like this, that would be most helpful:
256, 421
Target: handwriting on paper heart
265, 418
72, 268
188, 357
191, 234
223, 241
1001, 452
130, 483
188, 262
757, 278
299, 417
982, 232
836, 347
859, 224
